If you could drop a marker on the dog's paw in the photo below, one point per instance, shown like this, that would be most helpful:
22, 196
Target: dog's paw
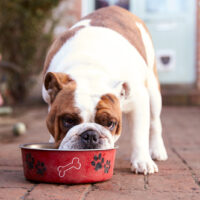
157, 150
144, 166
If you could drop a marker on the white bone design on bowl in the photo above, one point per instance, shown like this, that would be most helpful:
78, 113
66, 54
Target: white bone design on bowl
74, 164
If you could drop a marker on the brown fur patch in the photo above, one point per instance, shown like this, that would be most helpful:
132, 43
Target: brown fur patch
55, 81
107, 110
121, 21
62, 105
57, 44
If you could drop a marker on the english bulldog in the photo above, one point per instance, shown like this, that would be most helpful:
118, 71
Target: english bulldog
101, 67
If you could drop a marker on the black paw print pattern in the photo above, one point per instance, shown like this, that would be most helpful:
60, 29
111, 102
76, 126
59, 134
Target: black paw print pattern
107, 166
30, 161
97, 162
40, 167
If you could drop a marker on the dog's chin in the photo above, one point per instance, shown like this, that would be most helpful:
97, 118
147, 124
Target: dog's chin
72, 140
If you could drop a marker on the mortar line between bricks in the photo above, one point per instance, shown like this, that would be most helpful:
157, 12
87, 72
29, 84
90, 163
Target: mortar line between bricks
28, 192
11, 166
146, 182
2, 187
86, 192
187, 165
183, 161
10, 171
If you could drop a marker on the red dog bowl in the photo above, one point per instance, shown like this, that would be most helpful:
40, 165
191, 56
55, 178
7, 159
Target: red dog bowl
43, 163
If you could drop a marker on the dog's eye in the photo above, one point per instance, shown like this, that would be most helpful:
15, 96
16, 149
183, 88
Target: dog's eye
111, 125
68, 122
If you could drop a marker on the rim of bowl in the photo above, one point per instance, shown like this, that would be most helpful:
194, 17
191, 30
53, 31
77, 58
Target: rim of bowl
28, 146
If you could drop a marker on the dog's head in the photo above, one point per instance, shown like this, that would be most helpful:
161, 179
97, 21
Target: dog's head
94, 124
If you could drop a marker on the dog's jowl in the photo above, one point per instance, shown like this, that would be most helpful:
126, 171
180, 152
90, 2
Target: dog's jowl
101, 67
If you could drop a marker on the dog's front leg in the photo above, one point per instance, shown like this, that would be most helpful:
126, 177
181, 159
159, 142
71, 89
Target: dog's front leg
141, 161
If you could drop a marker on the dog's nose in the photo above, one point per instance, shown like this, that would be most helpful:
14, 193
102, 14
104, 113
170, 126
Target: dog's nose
90, 139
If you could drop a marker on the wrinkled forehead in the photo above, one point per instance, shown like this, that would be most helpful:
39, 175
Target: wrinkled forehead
87, 105
91, 105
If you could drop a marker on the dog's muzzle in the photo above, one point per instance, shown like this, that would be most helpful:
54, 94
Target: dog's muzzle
87, 136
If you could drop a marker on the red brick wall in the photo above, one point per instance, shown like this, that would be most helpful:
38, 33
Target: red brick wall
198, 45
75, 10
78, 8
66, 14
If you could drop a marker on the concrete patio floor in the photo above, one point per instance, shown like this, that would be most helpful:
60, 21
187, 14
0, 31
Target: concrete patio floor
178, 177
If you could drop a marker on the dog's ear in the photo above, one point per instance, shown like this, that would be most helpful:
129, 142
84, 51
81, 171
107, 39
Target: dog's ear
54, 82
122, 90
